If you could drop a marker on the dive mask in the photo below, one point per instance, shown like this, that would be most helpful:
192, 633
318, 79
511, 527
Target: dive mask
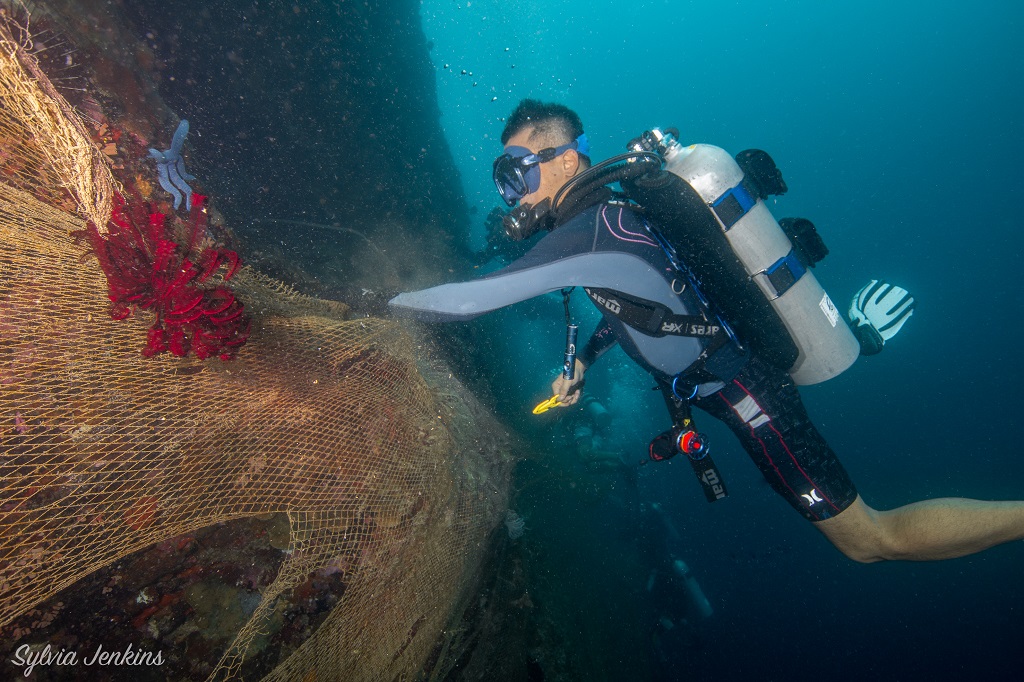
517, 172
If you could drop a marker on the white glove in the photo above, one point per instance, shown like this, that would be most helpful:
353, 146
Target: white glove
883, 307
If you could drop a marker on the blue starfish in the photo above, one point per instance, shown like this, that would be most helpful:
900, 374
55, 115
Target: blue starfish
170, 168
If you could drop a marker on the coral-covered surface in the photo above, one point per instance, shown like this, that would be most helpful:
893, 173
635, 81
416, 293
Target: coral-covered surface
159, 263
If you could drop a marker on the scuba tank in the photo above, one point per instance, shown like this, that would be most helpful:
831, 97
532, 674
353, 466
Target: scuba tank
698, 601
716, 220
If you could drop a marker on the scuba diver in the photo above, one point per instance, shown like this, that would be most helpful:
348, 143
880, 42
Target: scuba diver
604, 470
588, 427
680, 606
694, 323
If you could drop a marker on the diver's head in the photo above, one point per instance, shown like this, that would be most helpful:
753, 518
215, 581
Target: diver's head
544, 147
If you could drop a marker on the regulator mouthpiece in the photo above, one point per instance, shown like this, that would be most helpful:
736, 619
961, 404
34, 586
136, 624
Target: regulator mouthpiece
525, 221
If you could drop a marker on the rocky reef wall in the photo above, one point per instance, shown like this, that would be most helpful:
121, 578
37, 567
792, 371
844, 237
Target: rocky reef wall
315, 127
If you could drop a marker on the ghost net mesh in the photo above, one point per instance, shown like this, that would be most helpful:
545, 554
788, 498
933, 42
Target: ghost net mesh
382, 488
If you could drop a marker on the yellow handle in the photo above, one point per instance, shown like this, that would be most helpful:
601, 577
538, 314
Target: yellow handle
546, 405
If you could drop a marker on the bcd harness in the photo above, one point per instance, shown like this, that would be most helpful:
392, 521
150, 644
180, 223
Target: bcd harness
653, 319
658, 320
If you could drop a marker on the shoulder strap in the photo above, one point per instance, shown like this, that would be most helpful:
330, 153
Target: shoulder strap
657, 320
650, 318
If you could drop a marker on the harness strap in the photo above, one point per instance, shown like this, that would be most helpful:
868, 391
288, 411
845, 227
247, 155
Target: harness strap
712, 484
653, 319
658, 320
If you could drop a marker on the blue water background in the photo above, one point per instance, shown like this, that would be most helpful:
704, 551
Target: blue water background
898, 126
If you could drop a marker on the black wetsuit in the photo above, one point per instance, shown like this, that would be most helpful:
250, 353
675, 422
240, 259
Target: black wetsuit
608, 246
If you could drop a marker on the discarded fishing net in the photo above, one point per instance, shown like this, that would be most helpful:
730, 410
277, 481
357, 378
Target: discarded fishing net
315, 508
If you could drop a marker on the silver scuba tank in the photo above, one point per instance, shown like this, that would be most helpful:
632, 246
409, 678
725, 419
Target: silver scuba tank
698, 601
826, 346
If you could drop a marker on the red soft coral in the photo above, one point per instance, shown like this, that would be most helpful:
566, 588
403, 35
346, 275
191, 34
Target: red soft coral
147, 269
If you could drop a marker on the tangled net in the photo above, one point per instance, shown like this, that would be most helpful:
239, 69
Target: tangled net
49, 128
318, 488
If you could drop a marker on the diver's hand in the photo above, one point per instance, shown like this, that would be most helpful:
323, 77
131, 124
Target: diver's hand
569, 392
878, 312
370, 303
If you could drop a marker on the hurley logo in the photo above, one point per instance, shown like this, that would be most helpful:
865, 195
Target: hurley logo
812, 497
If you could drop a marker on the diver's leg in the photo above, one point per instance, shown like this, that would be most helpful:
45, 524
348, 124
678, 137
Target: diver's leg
923, 531
763, 409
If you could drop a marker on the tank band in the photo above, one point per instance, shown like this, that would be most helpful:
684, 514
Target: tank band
784, 273
734, 204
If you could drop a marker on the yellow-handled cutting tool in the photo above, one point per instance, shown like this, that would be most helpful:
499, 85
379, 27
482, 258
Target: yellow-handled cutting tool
543, 407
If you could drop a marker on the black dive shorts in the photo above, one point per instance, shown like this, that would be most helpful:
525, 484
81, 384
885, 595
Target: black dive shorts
763, 408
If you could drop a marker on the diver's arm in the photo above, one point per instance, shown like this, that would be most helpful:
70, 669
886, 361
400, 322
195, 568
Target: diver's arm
541, 271
599, 343
465, 300
526, 278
